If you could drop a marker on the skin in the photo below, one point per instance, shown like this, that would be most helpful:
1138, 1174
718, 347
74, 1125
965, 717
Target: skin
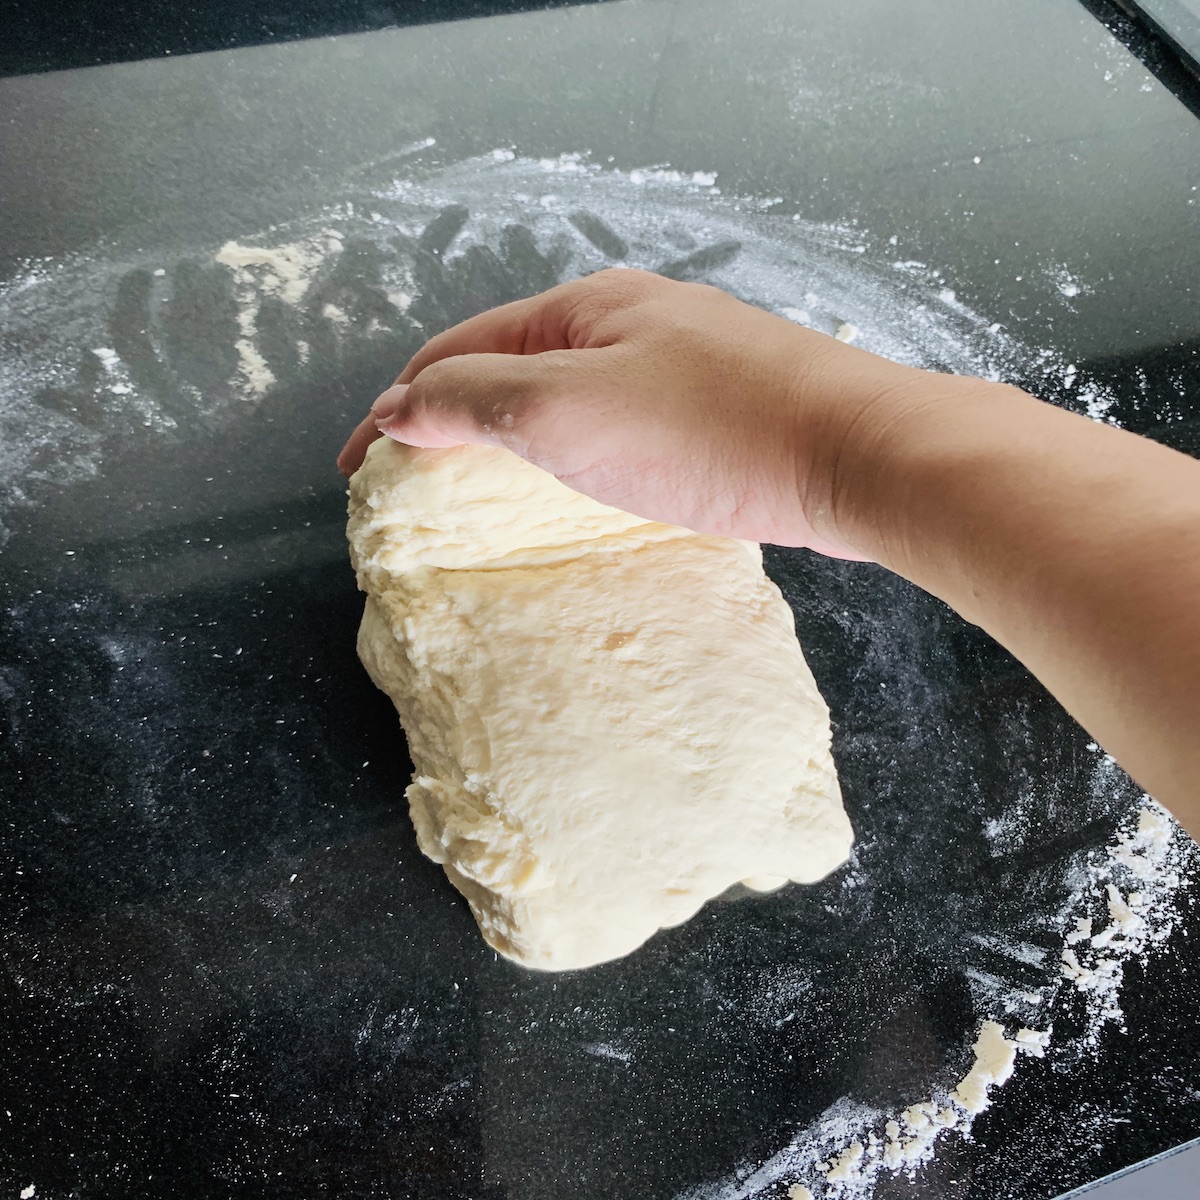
1074, 544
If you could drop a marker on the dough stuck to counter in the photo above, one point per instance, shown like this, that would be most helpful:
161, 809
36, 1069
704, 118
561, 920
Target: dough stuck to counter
611, 720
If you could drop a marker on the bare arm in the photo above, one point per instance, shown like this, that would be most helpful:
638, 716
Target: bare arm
1075, 545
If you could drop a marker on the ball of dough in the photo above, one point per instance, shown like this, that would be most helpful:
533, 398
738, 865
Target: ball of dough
611, 720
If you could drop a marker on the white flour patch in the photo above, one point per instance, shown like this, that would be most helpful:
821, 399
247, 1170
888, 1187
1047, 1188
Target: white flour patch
604, 1050
59, 417
816, 274
851, 1146
1123, 905
1067, 283
1097, 403
1128, 910
283, 271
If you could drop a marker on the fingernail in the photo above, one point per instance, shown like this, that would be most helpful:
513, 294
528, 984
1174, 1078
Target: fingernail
386, 407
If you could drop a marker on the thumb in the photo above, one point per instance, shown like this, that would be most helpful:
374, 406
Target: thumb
496, 399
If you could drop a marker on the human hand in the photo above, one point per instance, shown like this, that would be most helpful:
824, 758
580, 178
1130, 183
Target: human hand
1075, 544
672, 401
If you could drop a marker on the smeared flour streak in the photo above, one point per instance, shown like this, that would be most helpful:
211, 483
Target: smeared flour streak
59, 417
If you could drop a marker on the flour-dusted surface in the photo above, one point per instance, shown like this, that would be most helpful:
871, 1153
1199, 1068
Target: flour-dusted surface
853, 1149
227, 966
591, 764
106, 352
980, 862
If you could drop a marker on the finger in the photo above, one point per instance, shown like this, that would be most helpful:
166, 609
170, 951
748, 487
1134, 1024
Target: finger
566, 317
515, 328
499, 399
529, 327
355, 449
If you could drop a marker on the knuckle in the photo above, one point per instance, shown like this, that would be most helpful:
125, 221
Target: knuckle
436, 375
612, 291
492, 394
619, 283
425, 358
708, 292
435, 348
440, 386
620, 276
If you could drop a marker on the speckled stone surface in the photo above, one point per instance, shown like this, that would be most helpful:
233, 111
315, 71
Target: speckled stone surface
225, 970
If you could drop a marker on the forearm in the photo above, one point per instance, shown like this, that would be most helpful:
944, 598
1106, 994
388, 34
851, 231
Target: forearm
1075, 545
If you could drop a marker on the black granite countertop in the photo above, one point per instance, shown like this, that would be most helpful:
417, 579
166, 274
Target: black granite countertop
225, 969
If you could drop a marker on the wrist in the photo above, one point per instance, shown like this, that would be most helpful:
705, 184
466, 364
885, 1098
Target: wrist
891, 455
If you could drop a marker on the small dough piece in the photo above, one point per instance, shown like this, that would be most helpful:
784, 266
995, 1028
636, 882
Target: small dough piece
610, 719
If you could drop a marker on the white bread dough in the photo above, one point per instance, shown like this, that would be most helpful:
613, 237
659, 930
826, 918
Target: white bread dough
610, 719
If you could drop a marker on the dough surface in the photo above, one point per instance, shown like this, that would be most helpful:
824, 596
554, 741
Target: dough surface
611, 720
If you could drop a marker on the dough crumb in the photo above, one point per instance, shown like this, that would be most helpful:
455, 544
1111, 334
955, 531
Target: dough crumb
995, 1058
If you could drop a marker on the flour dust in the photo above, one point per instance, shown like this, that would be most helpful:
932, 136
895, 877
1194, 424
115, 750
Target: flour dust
104, 349
1123, 906
109, 349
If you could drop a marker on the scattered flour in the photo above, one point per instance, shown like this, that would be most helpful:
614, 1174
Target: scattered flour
1034, 1041
851, 288
995, 1058
846, 1168
846, 1152
799, 315
58, 312
604, 1050
904, 311
283, 271
1133, 887
1068, 284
